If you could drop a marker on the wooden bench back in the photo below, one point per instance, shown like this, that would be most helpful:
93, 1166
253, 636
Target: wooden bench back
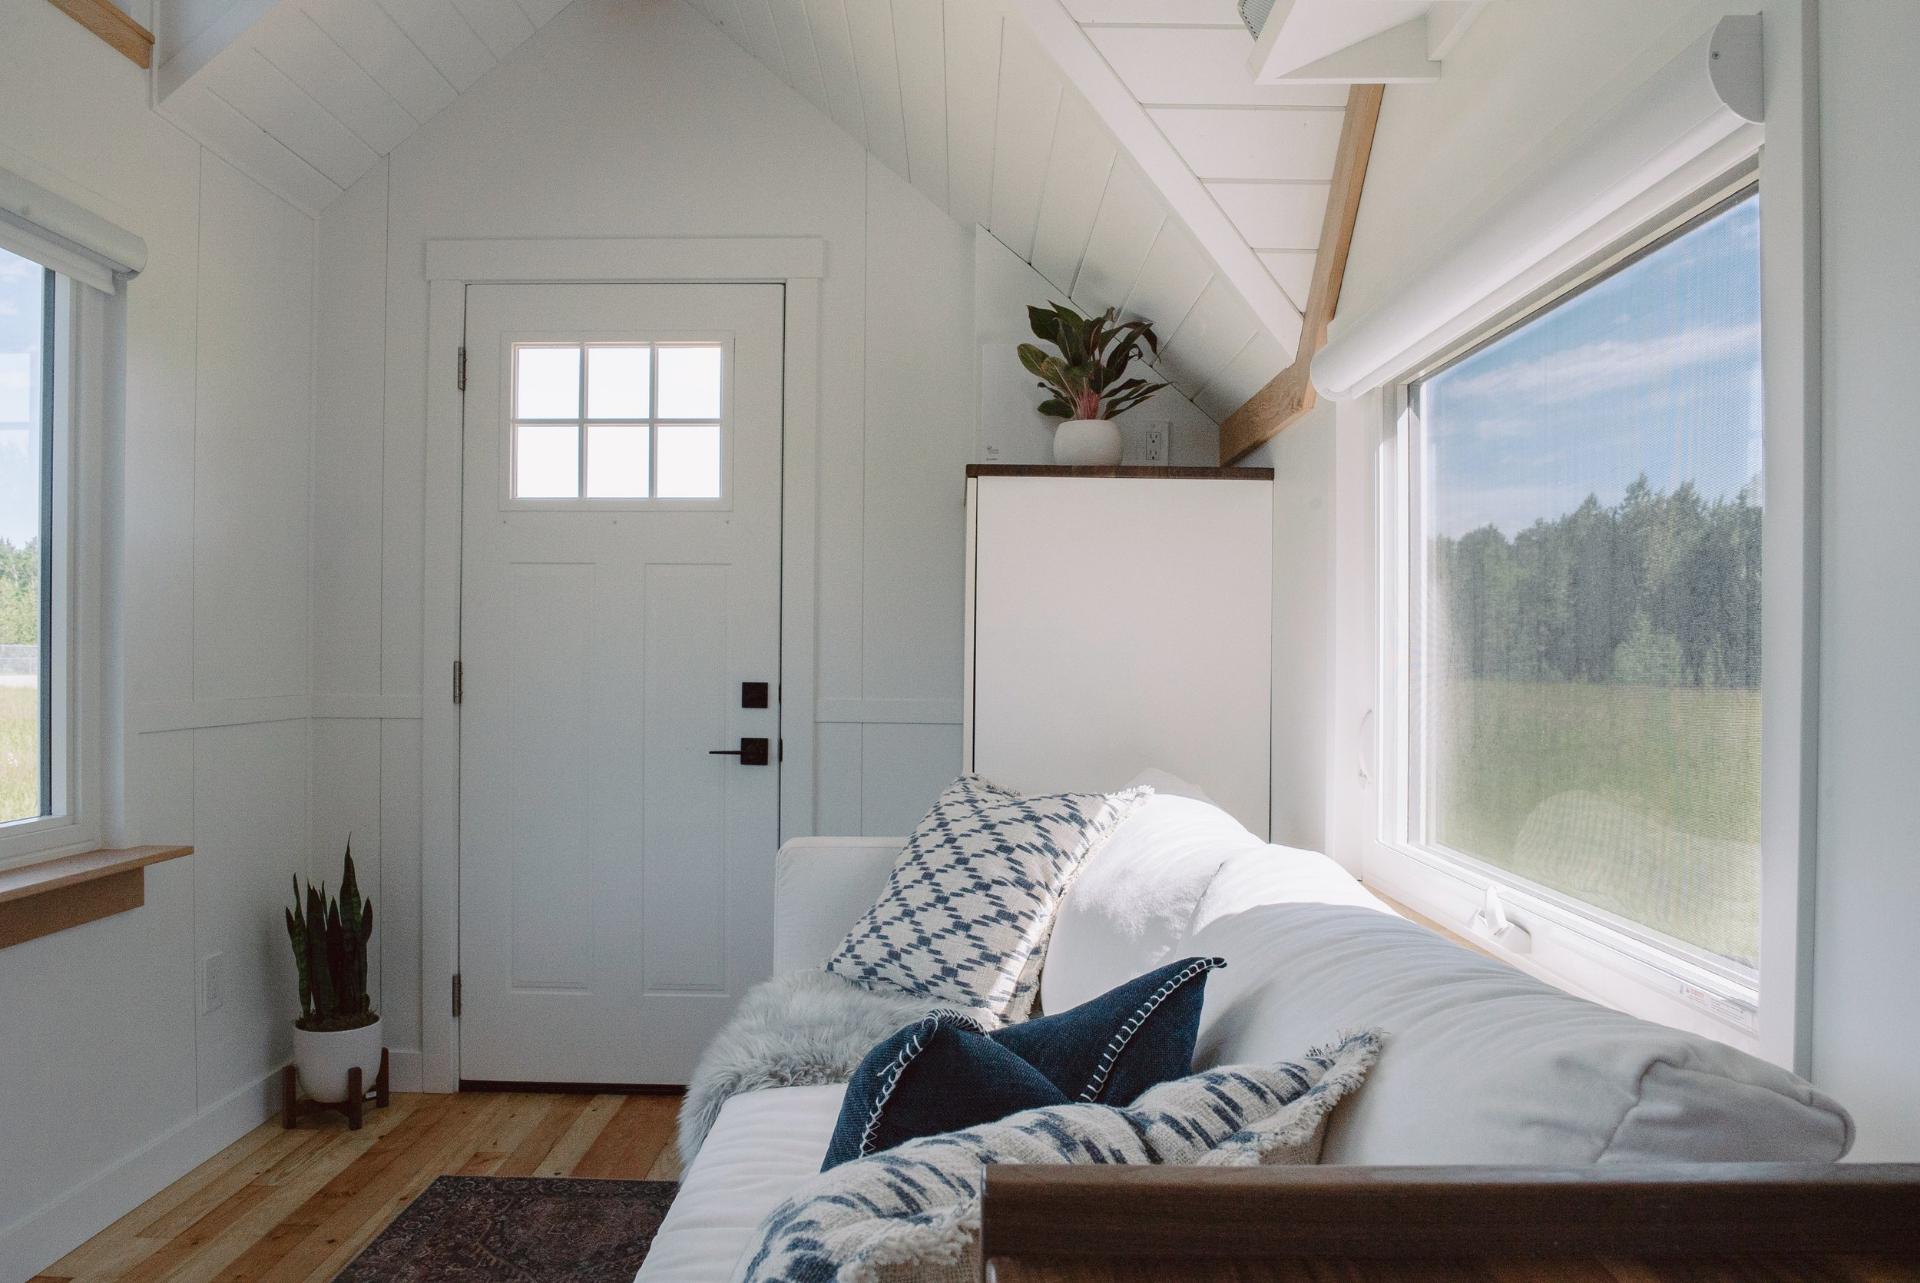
1703, 1223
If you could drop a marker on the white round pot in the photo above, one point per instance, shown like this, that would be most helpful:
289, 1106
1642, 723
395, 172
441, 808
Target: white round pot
1087, 443
323, 1059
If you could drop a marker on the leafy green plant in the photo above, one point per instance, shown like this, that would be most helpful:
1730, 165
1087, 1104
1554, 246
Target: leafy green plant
1088, 377
330, 936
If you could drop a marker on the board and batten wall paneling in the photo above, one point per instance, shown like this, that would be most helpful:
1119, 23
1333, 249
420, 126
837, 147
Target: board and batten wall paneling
125, 1082
727, 142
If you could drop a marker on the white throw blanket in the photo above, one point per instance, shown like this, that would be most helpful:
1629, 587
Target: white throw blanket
796, 1030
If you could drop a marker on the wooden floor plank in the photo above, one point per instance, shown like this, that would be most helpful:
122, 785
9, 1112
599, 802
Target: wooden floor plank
527, 1156
295, 1206
630, 1143
578, 1138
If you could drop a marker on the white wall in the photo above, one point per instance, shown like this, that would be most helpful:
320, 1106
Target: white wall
111, 1081
640, 119
1866, 1010
1010, 428
1527, 76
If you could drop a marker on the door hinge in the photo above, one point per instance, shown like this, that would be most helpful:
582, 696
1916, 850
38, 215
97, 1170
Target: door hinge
462, 379
459, 680
456, 995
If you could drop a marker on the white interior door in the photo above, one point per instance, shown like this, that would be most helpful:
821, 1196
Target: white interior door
620, 585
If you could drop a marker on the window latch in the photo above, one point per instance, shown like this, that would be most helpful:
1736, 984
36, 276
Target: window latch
1492, 924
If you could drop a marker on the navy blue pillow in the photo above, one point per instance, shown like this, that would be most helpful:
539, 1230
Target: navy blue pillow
943, 1073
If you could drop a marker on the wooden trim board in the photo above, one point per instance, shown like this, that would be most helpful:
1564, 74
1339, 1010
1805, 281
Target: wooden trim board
39, 899
113, 26
1290, 394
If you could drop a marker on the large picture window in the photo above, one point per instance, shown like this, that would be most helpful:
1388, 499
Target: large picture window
26, 476
1582, 586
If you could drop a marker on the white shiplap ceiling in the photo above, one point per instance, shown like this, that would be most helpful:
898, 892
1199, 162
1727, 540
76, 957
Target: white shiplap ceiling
313, 92
967, 101
1125, 148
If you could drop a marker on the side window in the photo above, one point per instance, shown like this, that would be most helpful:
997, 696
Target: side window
30, 783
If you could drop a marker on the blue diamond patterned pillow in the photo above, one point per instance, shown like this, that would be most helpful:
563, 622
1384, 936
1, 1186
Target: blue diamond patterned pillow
965, 913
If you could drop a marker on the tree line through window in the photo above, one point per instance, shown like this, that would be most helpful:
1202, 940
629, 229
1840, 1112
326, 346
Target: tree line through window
1586, 634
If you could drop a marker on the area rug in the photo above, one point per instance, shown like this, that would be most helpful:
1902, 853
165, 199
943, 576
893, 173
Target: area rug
514, 1229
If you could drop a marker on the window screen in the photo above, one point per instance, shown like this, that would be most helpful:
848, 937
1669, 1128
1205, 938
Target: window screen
26, 461
1584, 595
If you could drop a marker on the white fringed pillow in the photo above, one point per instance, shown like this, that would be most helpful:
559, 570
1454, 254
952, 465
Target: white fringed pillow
911, 1214
964, 917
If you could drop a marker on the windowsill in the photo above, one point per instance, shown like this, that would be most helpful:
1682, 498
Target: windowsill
52, 895
1581, 959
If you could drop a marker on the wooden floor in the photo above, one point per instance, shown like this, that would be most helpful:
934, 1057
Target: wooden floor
291, 1206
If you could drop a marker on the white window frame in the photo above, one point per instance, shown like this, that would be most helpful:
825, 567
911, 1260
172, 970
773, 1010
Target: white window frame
654, 340
81, 355
1579, 948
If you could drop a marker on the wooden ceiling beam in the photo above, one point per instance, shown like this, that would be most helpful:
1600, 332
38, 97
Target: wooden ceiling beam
113, 26
1280, 404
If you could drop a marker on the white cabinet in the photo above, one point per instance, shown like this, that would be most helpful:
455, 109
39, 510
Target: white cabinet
1118, 619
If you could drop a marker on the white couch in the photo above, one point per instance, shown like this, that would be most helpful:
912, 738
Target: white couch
1483, 1064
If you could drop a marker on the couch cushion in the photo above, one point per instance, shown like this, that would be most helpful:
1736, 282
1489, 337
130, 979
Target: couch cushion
764, 1145
1134, 898
944, 1072
913, 1212
1484, 1064
964, 916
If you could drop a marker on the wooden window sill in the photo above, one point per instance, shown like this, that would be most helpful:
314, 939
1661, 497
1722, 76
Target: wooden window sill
52, 895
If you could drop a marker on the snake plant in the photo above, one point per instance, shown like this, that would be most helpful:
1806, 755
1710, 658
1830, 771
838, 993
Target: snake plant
330, 936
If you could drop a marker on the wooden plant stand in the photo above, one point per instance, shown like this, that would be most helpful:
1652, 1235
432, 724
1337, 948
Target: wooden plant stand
292, 1107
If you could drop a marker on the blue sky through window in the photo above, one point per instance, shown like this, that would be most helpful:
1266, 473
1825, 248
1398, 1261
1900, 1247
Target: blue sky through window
1655, 370
21, 328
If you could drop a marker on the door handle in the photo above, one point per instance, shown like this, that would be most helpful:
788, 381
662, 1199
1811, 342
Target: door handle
753, 751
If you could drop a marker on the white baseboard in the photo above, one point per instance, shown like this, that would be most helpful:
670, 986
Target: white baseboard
404, 1070
55, 1228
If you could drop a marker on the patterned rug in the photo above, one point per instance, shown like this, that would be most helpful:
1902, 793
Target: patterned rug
512, 1229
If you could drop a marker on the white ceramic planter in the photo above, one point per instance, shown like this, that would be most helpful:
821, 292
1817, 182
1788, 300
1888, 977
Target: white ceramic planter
323, 1060
1087, 443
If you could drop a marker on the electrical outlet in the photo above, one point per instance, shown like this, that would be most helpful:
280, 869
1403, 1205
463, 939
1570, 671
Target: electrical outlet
1156, 443
212, 982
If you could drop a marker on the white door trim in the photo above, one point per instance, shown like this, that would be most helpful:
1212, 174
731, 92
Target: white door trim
797, 263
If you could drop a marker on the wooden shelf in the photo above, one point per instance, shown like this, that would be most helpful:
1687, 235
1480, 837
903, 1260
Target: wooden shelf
52, 895
1154, 473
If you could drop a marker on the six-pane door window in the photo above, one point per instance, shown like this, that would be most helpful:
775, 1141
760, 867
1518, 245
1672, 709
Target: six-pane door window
26, 460
1583, 596
617, 420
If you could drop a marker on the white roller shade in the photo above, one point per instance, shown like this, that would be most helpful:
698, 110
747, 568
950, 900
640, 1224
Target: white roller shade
1698, 114
74, 241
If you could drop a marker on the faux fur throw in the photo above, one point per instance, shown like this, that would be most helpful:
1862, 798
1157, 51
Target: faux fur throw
795, 1030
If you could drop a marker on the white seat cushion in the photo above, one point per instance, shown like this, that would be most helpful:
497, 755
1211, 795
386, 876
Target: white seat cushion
1483, 1064
764, 1145
1134, 898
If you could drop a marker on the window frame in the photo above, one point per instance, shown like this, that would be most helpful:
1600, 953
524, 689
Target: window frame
583, 502
1577, 946
71, 612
